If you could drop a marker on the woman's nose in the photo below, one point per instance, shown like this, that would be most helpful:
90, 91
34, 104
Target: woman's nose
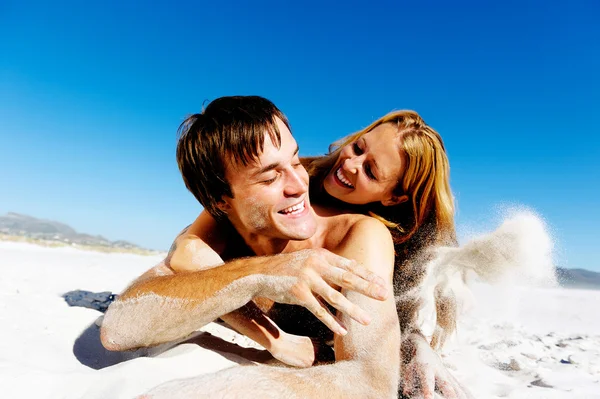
353, 164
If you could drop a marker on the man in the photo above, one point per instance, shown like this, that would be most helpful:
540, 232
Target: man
241, 162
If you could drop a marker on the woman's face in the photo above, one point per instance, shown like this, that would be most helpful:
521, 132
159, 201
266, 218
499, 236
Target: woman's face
368, 169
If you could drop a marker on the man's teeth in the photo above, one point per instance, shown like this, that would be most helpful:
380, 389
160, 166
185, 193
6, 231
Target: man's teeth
343, 179
292, 210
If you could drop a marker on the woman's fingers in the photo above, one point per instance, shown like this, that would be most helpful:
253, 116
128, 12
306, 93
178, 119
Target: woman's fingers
459, 390
446, 389
409, 380
427, 381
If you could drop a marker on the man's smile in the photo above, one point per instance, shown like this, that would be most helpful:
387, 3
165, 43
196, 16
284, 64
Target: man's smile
294, 210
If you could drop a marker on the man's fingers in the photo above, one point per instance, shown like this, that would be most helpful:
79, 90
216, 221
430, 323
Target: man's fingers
366, 274
354, 267
340, 302
322, 313
350, 281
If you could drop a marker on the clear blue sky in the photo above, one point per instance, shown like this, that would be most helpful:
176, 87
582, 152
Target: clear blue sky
91, 96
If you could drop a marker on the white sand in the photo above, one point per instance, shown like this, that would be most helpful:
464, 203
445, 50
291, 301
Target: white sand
511, 338
516, 338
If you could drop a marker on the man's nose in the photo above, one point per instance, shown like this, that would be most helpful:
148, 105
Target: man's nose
296, 184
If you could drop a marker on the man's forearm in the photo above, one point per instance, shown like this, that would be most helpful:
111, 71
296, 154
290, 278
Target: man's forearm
250, 321
372, 372
341, 380
166, 308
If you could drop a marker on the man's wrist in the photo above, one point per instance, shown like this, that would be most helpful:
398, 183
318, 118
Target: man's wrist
251, 269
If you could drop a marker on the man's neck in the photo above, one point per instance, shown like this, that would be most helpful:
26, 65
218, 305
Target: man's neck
262, 245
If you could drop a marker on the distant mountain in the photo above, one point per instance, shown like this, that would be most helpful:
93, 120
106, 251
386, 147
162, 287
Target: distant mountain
578, 278
15, 224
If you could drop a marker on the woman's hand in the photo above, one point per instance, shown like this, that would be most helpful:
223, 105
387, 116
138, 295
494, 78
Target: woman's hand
422, 372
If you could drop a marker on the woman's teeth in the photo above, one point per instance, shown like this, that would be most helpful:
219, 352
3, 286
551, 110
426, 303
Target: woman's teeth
292, 210
341, 177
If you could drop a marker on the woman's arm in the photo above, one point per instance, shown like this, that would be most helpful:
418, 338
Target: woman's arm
421, 369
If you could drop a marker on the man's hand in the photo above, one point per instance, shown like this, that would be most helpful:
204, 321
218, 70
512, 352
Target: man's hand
300, 351
307, 278
422, 372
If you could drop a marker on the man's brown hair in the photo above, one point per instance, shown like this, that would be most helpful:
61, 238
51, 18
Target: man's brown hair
230, 130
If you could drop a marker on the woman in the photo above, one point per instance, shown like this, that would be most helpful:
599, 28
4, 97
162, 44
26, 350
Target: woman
417, 207
395, 170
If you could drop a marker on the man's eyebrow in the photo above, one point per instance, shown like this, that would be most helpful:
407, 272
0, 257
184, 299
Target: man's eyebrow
266, 169
272, 166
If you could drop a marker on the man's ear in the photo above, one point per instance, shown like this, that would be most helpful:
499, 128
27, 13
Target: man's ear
394, 200
223, 205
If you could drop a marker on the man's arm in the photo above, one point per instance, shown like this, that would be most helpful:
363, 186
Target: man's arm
163, 308
367, 358
191, 252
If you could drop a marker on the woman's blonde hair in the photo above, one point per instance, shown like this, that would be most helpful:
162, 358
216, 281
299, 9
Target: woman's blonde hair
425, 181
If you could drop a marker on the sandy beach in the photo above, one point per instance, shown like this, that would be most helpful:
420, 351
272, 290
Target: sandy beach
514, 342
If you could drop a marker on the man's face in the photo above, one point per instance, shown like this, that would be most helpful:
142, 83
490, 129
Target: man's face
270, 197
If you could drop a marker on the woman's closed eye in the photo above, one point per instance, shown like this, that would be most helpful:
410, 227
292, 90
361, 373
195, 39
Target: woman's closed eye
369, 172
356, 148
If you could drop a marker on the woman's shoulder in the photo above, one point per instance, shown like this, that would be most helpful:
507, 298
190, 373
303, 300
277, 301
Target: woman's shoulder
374, 227
357, 224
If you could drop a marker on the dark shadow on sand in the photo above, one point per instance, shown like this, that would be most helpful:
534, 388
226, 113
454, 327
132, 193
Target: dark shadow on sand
89, 350
229, 350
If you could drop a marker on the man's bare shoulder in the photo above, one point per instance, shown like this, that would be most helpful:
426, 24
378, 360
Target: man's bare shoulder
205, 243
206, 228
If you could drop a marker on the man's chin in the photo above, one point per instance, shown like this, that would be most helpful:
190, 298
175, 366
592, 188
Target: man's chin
301, 230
